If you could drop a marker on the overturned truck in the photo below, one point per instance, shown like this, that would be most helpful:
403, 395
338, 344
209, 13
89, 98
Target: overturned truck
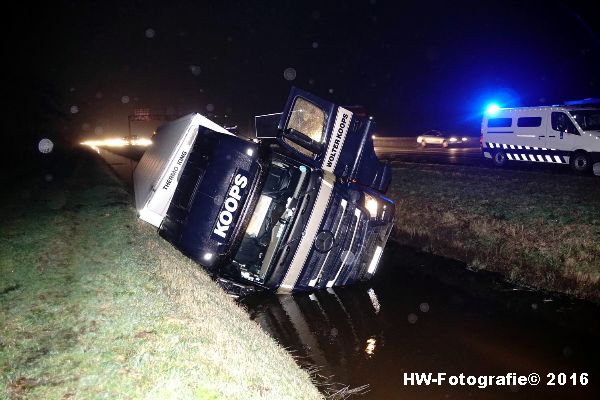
300, 207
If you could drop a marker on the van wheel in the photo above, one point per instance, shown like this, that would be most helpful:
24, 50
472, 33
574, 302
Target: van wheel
580, 162
499, 158
445, 144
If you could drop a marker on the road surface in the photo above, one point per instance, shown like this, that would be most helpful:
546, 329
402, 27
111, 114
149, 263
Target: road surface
462, 156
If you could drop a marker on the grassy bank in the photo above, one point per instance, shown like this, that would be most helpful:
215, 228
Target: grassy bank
93, 304
538, 229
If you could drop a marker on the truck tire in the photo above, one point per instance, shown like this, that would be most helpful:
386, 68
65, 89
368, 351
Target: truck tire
423, 143
499, 158
580, 162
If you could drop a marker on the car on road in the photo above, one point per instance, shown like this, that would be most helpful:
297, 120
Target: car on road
435, 137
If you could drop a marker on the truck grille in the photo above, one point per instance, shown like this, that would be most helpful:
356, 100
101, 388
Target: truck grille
349, 226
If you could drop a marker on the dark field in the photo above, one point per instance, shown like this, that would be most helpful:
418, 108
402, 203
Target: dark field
537, 228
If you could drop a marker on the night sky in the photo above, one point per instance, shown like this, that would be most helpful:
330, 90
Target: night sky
416, 66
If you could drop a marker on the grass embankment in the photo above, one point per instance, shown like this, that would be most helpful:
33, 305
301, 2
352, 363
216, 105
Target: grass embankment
536, 228
93, 304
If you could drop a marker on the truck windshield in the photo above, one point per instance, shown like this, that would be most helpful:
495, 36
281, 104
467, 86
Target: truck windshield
272, 217
588, 120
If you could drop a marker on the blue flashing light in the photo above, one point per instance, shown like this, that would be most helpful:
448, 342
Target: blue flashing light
492, 109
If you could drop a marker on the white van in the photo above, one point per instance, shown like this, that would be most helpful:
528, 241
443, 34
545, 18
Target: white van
556, 135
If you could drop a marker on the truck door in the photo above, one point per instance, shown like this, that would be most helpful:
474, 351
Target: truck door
305, 125
562, 132
335, 139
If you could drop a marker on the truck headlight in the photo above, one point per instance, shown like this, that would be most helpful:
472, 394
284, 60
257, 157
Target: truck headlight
371, 205
453, 139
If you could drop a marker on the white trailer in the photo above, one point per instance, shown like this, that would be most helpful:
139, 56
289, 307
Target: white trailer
157, 174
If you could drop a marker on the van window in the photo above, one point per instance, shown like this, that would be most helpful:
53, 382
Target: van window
588, 120
562, 123
499, 122
529, 122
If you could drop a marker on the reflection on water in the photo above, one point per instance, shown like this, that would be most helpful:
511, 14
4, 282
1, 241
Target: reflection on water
408, 322
335, 329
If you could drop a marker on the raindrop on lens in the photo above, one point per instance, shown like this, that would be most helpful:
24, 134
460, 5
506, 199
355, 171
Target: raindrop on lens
424, 307
74, 109
348, 256
125, 99
289, 74
412, 318
56, 200
195, 70
150, 33
315, 45
45, 146
210, 107
567, 351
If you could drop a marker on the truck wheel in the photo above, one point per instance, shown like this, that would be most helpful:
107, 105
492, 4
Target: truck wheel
445, 144
580, 162
423, 143
499, 158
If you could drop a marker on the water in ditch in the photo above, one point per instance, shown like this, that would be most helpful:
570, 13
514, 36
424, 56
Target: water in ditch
428, 314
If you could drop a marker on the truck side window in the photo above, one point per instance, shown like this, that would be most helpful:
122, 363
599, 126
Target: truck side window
561, 122
307, 119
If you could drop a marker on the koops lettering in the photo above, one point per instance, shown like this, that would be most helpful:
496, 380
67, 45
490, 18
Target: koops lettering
231, 206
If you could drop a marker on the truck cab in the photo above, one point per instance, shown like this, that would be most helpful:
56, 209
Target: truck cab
300, 207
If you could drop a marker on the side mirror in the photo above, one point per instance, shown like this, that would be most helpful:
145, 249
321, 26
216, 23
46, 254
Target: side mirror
265, 126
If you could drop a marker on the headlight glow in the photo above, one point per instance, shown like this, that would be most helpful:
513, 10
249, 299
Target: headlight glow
371, 205
453, 139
